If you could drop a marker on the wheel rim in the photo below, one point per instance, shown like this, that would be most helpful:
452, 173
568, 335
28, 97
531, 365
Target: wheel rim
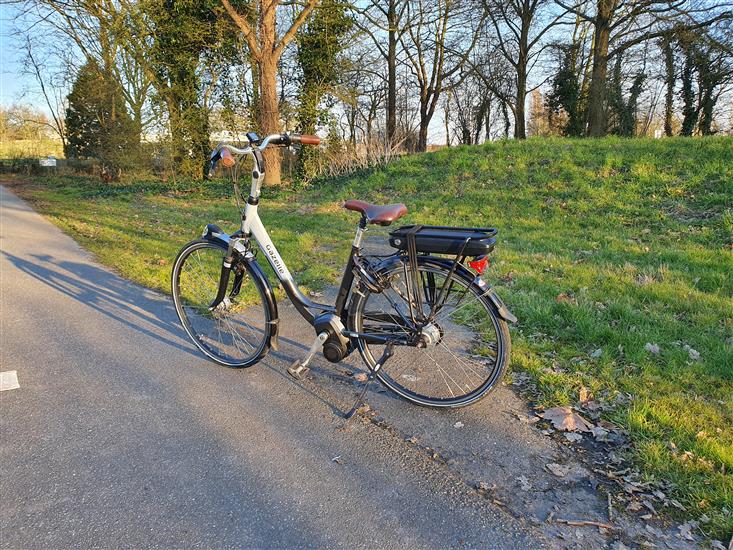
460, 365
234, 333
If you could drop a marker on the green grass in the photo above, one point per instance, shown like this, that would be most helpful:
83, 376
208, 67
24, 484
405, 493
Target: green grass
604, 244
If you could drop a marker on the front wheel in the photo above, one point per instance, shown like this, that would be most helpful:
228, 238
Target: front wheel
235, 333
463, 348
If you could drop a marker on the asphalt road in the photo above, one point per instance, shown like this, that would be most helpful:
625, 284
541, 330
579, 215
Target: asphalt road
122, 435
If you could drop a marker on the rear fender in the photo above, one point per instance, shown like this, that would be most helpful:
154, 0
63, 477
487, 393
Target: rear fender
463, 271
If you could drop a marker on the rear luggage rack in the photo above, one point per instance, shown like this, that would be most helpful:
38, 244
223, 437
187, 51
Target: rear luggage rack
439, 239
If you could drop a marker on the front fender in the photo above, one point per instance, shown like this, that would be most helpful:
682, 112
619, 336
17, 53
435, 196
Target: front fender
214, 234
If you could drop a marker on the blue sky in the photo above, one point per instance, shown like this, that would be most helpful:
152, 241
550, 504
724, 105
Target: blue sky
12, 82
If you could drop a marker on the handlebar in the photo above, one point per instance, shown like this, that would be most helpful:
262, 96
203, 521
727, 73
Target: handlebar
225, 152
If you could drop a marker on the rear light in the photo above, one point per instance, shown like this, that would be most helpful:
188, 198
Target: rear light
479, 264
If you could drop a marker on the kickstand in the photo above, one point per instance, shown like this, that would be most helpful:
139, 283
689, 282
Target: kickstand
388, 352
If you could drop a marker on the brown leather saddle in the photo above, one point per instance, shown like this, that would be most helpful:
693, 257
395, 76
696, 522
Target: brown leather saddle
375, 213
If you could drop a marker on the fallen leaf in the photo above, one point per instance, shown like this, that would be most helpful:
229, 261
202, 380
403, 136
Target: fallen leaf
591, 405
361, 377
652, 348
564, 418
634, 506
558, 469
565, 298
572, 436
458, 425
693, 353
584, 395
524, 483
599, 433
678, 505
482, 486
686, 530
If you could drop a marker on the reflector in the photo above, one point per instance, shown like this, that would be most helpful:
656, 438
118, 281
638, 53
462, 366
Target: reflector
479, 264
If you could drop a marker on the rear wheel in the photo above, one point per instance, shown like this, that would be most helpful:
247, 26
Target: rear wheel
464, 348
237, 332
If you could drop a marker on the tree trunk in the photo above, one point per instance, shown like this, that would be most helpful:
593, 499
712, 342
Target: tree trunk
422, 141
269, 111
669, 82
520, 131
392, 73
507, 123
597, 99
689, 109
269, 115
706, 113
520, 124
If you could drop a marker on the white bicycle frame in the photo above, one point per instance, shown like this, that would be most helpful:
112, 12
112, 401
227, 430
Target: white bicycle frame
252, 226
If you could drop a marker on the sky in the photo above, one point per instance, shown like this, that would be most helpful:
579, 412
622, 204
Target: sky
12, 81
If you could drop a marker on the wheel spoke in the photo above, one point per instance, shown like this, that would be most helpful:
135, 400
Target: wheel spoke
438, 370
233, 333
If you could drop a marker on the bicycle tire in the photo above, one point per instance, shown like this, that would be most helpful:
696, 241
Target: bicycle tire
241, 318
405, 382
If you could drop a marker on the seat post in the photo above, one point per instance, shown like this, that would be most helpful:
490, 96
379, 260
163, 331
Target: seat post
361, 228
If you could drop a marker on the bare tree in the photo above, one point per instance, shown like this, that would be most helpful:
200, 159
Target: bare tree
620, 25
259, 27
440, 36
378, 19
520, 26
53, 94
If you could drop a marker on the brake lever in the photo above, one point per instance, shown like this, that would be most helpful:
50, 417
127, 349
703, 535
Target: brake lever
214, 161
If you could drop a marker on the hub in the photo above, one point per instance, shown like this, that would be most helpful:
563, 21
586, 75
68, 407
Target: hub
430, 335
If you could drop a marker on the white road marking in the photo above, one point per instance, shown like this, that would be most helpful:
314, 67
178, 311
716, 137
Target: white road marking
9, 380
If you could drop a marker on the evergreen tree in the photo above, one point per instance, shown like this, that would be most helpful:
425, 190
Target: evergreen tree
98, 125
320, 42
565, 97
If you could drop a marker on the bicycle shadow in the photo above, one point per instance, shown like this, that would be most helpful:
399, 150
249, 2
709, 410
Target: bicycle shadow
108, 294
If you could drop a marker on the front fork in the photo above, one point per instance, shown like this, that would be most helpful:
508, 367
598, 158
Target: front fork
226, 269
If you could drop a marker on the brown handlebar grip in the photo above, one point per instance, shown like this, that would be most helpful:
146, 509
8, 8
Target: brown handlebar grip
227, 159
310, 140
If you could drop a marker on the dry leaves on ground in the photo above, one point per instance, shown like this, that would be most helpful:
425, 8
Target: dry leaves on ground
564, 418
652, 348
560, 470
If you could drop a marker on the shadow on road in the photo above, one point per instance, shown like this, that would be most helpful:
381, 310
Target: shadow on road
108, 294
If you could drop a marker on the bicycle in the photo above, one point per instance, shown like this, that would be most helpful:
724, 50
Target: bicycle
427, 326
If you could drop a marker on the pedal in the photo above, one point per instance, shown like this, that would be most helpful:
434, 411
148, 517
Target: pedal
298, 371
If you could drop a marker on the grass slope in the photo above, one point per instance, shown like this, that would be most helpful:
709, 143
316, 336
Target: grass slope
604, 245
